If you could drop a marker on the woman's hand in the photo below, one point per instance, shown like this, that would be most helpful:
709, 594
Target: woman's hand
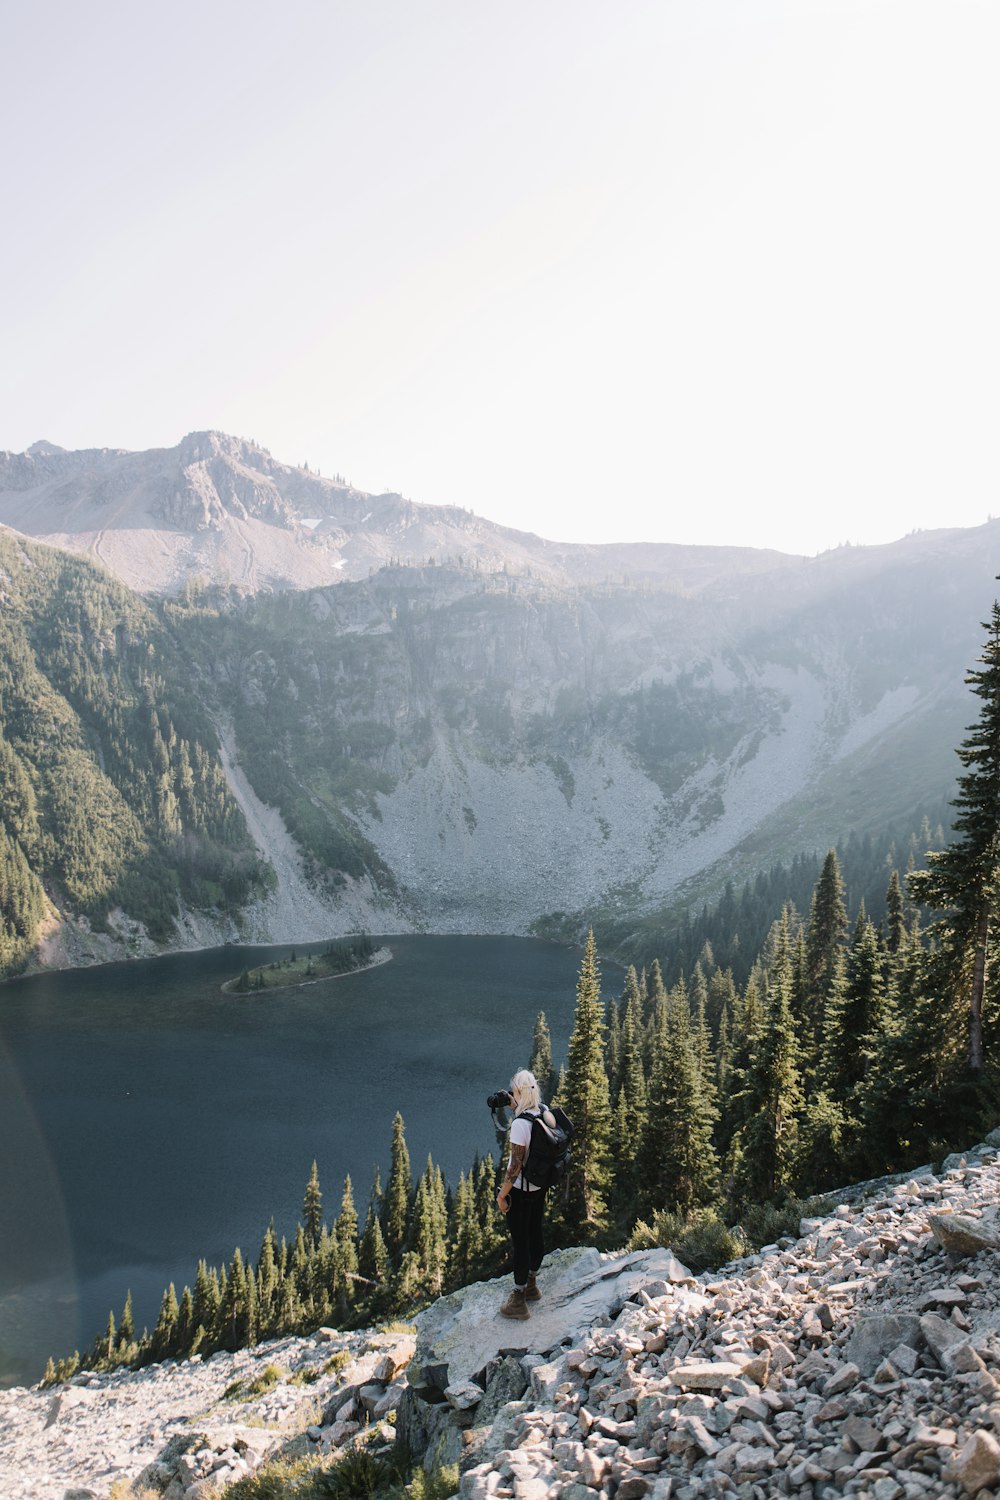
503, 1199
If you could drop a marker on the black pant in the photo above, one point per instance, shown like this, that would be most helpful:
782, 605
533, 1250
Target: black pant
524, 1219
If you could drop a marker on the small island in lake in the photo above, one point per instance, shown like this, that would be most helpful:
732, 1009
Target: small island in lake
346, 957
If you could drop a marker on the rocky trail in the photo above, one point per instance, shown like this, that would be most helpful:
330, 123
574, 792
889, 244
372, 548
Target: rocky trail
861, 1359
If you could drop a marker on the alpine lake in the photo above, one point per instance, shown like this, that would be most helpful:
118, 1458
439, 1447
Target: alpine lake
148, 1119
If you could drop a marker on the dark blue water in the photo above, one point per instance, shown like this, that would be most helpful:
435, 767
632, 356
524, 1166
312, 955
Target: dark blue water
146, 1119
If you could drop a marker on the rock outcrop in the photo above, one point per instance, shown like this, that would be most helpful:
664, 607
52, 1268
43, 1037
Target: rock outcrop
861, 1359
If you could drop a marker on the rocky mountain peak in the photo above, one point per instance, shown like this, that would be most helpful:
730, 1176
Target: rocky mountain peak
43, 449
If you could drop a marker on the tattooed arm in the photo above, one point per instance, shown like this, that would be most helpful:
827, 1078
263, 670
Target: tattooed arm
514, 1164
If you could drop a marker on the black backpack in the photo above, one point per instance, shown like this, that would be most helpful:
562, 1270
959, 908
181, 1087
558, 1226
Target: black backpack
548, 1156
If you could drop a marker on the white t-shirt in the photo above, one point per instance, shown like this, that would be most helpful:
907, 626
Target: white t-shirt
520, 1135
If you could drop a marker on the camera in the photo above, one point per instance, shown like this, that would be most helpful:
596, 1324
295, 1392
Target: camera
499, 1100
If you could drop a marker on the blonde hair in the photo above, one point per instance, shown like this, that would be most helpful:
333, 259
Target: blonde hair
527, 1094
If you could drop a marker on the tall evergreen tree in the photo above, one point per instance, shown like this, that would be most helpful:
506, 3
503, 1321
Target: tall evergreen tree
824, 948
126, 1328
963, 880
541, 1057
677, 1164
399, 1190
373, 1257
854, 1013
587, 1102
347, 1243
895, 914
312, 1207
267, 1279
902, 1099
166, 1324
766, 1144
464, 1237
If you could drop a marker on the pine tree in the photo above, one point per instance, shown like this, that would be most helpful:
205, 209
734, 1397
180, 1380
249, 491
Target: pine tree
541, 1057
185, 1322
347, 1242
267, 1281
126, 1327
677, 1164
825, 934
492, 1229
166, 1324
587, 1103
854, 1014
464, 1237
233, 1312
373, 1257
895, 913
206, 1298
612, 1049
312, 1207
428, 1235
963, 880
765, 1147
701, 1037
395, 1209
110, 1338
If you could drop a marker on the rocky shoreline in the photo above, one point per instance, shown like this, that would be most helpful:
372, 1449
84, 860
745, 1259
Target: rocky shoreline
861, 1359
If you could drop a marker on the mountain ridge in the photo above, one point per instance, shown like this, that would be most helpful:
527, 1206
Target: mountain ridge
193, 505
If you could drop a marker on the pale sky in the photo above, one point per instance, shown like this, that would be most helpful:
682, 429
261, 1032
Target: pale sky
691, 270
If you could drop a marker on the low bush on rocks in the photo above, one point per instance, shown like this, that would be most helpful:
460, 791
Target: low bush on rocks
285, 1479
700, 1240
358, 1476
268, 1377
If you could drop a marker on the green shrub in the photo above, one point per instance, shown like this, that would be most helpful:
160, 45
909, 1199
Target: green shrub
702, 1240
359, 1475
764, 1223
268, 1377
245, 1390
283, 1479
337, 1362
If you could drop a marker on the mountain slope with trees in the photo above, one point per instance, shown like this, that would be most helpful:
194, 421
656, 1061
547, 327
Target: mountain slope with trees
111, 793
484, 745
501, 754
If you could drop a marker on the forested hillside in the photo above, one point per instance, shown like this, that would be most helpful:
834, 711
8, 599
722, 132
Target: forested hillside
445, 748
733, 930
500, 754
111, 793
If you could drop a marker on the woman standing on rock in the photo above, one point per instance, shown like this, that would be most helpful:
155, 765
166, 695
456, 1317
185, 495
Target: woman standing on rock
521, 1200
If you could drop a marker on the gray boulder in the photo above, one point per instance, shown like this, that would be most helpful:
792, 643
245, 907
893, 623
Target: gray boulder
506, 1382
875, 1337
941, 1335
961, 1235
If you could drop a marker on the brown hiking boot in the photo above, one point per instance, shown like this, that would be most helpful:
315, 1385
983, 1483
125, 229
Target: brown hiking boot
531, 1292
515, 1306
